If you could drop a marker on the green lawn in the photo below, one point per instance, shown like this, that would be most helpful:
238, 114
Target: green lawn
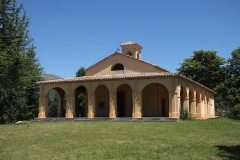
195, 139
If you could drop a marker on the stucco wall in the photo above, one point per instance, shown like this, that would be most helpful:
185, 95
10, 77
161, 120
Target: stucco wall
130, 65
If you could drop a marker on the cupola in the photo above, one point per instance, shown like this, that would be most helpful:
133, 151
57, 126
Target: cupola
131, 49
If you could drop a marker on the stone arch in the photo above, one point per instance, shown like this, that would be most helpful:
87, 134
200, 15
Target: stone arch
101, 101
124, 100
155, 100
47, 88
81, 101
78, 85
56, 97
144, 83
121, 83
183, 96
96, 85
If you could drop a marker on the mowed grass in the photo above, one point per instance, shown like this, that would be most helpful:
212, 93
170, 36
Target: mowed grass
195, 139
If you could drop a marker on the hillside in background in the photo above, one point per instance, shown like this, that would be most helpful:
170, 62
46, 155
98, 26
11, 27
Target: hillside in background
47, 77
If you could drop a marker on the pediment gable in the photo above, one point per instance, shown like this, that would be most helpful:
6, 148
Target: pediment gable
130, 64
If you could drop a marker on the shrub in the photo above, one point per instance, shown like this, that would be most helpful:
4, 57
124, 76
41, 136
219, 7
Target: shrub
234, 113
220, 113
184, 114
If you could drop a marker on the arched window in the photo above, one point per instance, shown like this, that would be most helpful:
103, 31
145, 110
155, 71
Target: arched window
129, 54
118, 66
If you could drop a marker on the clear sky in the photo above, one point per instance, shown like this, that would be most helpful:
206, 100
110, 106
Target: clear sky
69, 34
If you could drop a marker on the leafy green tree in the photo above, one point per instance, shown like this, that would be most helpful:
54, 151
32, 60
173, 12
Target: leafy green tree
80, 110
19, 67
52, 106
81, 72
233, 81
207, 68
233, 84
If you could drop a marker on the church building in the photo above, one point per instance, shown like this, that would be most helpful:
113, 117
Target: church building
124, 85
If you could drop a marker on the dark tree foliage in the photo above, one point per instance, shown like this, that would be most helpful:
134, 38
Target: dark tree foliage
219, 75
207, 68
52, 106
19, 67
233, 81
233, 84
80, 108
80, 72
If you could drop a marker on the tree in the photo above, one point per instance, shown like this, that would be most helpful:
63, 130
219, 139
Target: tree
233, 84
52, 105
19, 67
80, 98
80, 72
207, 68
80, 109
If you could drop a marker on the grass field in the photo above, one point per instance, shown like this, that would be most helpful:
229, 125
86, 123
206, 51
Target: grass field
194, 139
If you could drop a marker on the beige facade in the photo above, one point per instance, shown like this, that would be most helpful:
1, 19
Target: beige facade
123, 85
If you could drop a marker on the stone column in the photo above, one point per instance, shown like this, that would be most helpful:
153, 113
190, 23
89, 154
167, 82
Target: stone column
205, 107
91, 103
208, 105
59, 111
112, 105
172, 105
41, 113
69, 109
186, 100
46, 105
193, 105
133, 104
212, 107
73, 103
199, 106
137, 105
178, 102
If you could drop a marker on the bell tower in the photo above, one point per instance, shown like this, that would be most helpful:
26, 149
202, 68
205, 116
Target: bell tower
131, 49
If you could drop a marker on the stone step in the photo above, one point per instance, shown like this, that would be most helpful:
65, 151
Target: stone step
143, 119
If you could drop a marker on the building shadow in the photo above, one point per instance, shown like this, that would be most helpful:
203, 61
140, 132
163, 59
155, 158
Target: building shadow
229, 152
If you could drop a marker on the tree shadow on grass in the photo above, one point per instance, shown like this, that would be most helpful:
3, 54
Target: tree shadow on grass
229, 152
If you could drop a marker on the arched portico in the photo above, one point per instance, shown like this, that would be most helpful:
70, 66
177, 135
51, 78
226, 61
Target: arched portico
136, 98
101, 101
81, 102
124, 101
56, 99
155, 101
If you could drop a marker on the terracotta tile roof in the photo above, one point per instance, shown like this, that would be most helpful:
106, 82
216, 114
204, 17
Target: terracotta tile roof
126, 56
129, 43
121, 76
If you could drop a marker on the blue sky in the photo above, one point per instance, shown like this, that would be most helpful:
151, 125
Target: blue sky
74, 33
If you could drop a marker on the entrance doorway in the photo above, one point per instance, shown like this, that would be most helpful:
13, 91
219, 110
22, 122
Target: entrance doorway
121, 104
